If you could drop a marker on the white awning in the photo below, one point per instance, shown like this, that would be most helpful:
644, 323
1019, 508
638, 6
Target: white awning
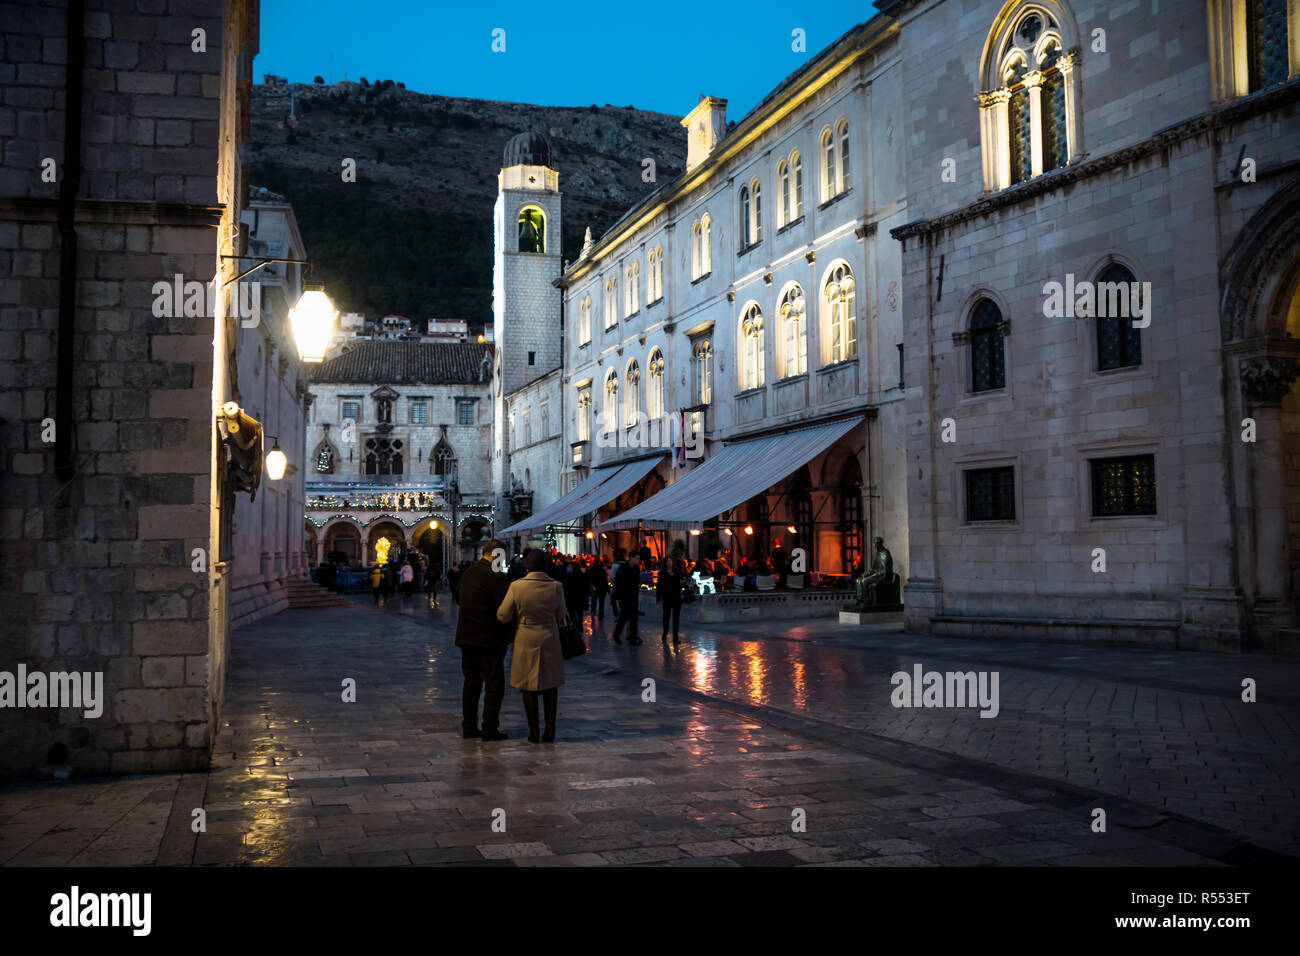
602, 486
731, 477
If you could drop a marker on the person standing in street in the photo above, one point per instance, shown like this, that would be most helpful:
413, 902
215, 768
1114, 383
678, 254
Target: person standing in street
483, 636
376, 581
599, 588
577, 589
407, 578
668, 592
627, 588
536, 601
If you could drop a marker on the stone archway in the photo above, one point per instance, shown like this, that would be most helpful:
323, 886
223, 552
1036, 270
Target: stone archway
342, 536
1260, 315
388, 530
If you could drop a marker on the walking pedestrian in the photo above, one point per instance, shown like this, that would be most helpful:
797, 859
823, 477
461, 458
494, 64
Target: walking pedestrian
376, 581
482, 636
599, 588
408, 578
431, 574
536, 602
577, 590
668, 592
627, 588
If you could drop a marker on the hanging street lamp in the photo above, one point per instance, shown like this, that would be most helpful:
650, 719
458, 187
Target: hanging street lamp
313, 323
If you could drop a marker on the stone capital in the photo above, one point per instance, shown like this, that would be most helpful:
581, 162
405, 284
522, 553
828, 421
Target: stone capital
990, 98
1034, 78
1265, 381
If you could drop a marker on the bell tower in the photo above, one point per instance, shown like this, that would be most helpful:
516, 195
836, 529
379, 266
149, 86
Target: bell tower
525, 303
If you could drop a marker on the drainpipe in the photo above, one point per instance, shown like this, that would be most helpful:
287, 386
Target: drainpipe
68, 188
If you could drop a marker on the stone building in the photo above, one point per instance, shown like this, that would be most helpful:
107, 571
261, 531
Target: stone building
528, 452
398, 451
732, 348
1125, 467
120, 172
266, 538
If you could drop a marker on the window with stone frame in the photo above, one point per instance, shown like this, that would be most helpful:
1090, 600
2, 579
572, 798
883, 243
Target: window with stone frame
383, 456
850, 525
1027, 114
443, 460
584, 414
632, 394
532, 230
702, 370
633, 288
752, 361
796, 166
706, 245
610, 424
465, 411
528, 426
987, 363
783, 204
792, 314
350, 408
1119, 344
419, 411
1123, 486
991, 494
611, 302
654, 397
584, 321
839, 318
544, 419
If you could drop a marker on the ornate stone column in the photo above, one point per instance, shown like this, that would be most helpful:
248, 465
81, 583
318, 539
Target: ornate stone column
1264, 383
1065, 63
1034, 86
995, 132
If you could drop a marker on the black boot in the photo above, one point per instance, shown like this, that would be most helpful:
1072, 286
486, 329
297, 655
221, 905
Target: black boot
550, 703
530, 711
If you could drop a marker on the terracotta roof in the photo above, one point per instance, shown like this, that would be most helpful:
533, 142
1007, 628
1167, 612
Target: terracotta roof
405, 363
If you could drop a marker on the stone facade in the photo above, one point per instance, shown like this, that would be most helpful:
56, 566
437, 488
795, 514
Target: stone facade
686, 296
1153, 185
527, 324
266, 537
116, 522
438, 419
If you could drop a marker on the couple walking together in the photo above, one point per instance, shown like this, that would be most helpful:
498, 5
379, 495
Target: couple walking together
494, 613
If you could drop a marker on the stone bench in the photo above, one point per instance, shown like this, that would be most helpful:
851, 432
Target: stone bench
772, 605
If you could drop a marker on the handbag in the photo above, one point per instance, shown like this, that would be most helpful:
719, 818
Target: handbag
571, 643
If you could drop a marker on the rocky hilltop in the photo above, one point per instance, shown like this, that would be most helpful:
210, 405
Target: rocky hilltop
413, 234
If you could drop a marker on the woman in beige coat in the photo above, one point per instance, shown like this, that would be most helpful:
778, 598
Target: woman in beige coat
536, 603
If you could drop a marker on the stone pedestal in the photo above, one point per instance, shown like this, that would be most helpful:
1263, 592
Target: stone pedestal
873, 616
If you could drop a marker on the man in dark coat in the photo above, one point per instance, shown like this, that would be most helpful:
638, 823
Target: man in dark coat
627, 587
482, 640
577, 590
599, 579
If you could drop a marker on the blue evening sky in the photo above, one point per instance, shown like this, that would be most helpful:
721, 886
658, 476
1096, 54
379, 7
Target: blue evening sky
652, 55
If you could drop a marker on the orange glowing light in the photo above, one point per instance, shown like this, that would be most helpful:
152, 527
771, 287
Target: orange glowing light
749, 529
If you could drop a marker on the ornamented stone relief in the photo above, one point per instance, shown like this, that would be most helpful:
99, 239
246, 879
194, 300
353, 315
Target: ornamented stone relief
1265, 381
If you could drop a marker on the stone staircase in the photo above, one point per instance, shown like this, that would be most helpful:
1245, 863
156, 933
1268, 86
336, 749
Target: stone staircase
306, 593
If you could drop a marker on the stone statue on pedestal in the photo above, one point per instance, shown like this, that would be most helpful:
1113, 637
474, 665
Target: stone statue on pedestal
878, 589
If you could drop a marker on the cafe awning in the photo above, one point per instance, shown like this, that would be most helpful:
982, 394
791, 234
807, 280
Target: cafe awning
731, 477
602, 486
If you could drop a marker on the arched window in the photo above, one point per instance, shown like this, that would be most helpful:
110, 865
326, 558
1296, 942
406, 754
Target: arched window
746, 227
697, 250
751, 347
706, 245
796, 164
783, 207
611, 402
654, 396
327, 457
443, 460
987, 365
611, 302
845, 167
838, 315
756, 190
792, 313
632, 396
584, 414
702, 359
659, 272
634, 288
652, 280
532, 230
1119, 345
828, 165
850, 515
1027, 116
383, 456
584, 321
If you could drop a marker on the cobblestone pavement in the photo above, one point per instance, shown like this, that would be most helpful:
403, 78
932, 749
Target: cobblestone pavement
750, 725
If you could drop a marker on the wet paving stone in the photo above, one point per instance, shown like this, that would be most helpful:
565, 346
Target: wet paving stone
772, 744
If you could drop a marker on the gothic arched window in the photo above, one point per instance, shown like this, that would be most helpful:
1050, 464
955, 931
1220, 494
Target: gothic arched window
631, 397
1119, 344
839, 324
654, 396
326, 458
796, 165
532, 230
987, 366
706, 245
383, 456
702, 359
611, 402
751, 348
792, 314
1027, 114
783, 207
443, 460
746, 229
1267, 29
584, 321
